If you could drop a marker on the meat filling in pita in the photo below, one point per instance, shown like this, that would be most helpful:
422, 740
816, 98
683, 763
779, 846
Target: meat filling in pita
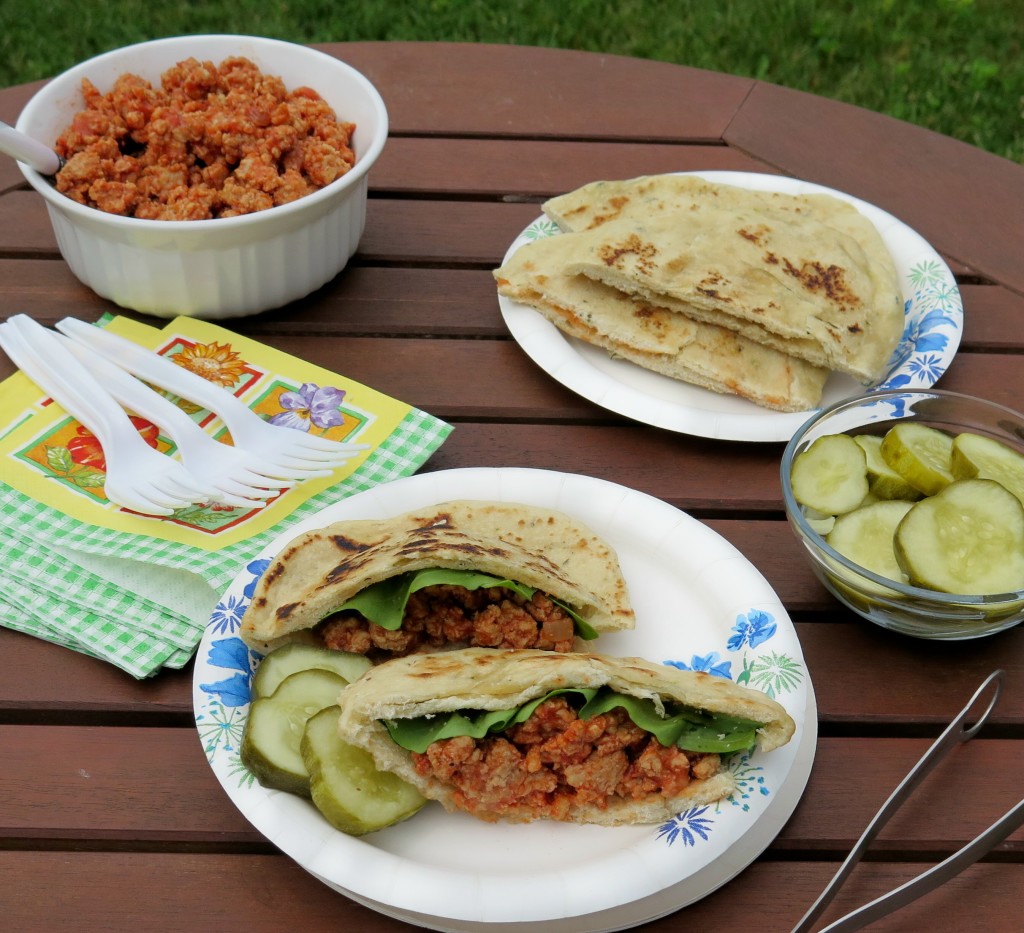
444, 615
538, 735
556, 761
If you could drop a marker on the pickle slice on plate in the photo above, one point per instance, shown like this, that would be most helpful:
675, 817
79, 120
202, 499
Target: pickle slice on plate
866, 536
297, 656
830, 476
345, 784
270, 746
986, 458
920, 454
883, 481
966, 539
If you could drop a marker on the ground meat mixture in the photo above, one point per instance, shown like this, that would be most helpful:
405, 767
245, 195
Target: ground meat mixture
555, 761
211, 141
452, 616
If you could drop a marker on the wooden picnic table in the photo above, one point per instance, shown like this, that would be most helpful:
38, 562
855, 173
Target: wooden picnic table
110, 817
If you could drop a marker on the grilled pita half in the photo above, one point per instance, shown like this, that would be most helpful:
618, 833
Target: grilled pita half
320, 570
478, 679
808, 275
650, 196
655, 338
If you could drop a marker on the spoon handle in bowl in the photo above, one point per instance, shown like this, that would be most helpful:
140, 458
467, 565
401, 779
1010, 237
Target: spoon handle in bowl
28, 150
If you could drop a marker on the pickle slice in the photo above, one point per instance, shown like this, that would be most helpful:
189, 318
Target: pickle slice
866, 535
830, 476
819, 521
967, 539
297, 656
987, 458
270, 746
921, 455
883, 481
345, 784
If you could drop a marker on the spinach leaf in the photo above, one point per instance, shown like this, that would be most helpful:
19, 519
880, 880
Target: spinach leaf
384, 602
689, 729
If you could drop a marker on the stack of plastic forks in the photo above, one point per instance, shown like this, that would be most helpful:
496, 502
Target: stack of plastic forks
92, 374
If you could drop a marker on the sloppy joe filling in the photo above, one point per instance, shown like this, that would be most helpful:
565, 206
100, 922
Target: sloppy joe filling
555, 761
446, 615
208, 141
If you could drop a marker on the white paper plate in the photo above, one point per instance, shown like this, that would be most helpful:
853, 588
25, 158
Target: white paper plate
933, 313
698, 602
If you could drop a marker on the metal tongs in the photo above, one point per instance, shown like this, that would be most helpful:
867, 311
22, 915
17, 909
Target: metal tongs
955, 734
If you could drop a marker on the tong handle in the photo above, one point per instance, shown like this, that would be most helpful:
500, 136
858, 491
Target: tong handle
933, 878
954, 734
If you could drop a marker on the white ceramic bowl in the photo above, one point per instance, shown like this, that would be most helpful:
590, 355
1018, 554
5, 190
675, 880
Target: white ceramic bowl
901, 607
229, 266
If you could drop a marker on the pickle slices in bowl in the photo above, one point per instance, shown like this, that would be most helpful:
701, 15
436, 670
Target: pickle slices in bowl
939, 511
290, 741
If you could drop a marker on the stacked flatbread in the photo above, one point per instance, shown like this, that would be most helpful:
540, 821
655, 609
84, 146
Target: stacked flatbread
753, 293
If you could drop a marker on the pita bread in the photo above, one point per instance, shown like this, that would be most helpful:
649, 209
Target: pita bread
808, 275
478, 679
320, 570
655, 338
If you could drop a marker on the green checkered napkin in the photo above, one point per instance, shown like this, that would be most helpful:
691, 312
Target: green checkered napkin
139, 602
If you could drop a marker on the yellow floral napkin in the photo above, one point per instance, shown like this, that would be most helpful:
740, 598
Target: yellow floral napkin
138, 590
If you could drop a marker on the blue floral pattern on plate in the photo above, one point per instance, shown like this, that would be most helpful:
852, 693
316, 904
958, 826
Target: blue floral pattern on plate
772, 672
934, 317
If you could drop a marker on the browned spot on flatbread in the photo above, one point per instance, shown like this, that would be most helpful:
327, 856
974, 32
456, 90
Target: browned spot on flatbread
438, 518
642, 250
755, 235
286, 610
829, 281
617, 204
345, 545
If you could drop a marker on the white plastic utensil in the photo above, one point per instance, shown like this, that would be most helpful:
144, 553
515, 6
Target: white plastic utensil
137, 476
230, 471
282, 452
25, 149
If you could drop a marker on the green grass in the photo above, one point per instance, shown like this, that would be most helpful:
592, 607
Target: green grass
955, 66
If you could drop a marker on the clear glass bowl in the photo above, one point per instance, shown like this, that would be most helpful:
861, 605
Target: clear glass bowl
896, 606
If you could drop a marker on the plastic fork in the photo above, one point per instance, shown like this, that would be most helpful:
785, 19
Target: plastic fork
955, 734
229, 470
137, 476
282, 452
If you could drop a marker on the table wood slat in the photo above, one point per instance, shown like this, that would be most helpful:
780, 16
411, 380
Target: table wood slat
268, 892
864, 677
375, 300
507, 385
536, 168
539, 92
67, 783
423, 232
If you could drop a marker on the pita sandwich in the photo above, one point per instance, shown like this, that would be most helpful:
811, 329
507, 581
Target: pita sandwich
808, 275
585, 738
655, 338
498, 574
